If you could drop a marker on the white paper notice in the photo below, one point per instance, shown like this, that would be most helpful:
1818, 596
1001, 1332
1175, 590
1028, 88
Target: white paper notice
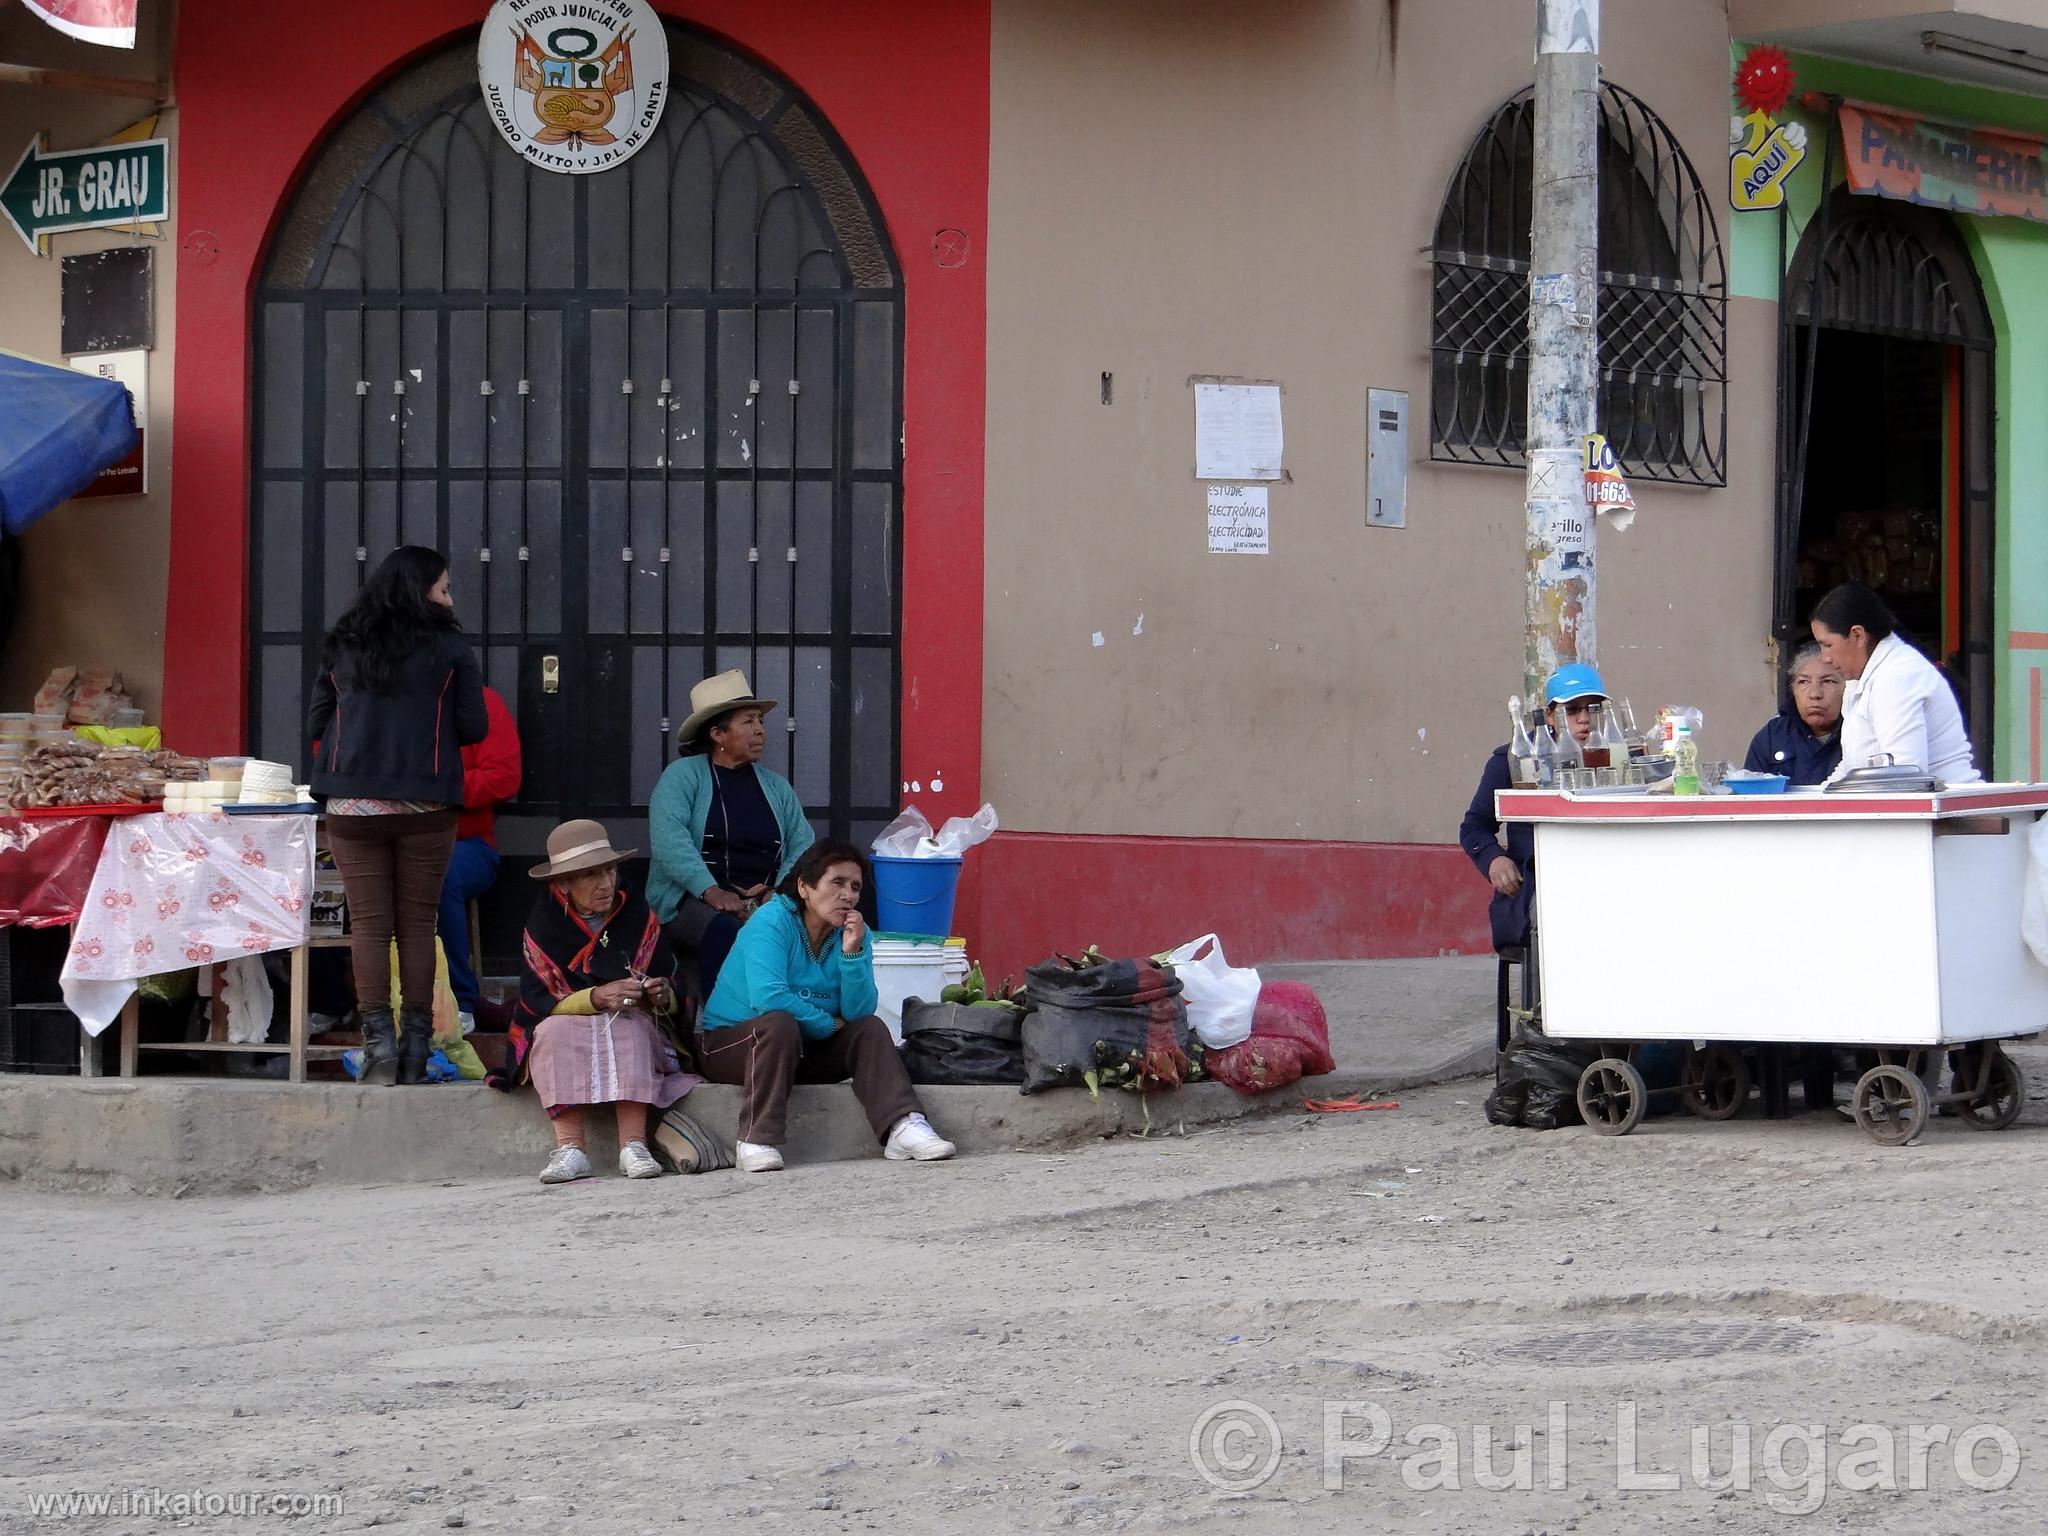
1237, 432
1237, 520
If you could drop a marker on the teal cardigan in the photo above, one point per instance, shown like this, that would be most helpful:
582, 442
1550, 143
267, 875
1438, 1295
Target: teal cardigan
676, 817
773, 969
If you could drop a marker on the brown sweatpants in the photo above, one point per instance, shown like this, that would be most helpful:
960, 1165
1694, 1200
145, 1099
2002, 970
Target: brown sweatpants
765, 1056
392, 868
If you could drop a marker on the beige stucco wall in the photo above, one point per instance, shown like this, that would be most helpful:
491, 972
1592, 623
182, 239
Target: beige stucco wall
1183, 187
93, 584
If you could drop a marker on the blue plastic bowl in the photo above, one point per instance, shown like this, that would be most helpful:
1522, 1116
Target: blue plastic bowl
1772, 784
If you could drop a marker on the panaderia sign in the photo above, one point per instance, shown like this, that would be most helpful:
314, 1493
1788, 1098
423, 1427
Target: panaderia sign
1991, 171
574, 85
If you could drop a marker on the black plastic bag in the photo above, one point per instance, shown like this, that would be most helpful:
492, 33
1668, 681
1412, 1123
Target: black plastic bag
1120, 1013
955, 1045
1539, 1082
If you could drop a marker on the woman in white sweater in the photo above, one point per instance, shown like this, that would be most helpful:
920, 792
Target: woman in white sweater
1897, 703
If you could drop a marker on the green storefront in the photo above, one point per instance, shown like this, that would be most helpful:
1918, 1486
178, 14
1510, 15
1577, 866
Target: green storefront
1911, 454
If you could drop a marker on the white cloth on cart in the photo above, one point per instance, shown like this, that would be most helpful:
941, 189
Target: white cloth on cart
2034, 900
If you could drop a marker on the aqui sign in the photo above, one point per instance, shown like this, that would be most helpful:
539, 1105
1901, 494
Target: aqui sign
574, 85
100, 188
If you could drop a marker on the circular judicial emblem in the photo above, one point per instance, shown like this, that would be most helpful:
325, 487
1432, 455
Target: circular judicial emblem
574, 85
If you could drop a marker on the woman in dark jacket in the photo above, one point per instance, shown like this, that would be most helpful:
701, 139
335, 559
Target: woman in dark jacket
398, 697
1803, 740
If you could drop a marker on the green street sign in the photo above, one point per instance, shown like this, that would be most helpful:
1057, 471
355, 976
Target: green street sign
114, 184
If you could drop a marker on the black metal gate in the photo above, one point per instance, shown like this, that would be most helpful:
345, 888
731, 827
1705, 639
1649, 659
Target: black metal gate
652, 415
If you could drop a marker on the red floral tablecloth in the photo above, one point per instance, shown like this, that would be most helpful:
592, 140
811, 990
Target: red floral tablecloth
177, 891
46, 868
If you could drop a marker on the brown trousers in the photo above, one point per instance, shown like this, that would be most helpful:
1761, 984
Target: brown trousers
392, 868
765, 1056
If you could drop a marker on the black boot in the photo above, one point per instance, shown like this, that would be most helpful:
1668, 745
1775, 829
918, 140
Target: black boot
415, 1043
380, 1049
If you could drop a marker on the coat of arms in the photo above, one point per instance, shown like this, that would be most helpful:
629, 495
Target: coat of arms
574, 94
574, 87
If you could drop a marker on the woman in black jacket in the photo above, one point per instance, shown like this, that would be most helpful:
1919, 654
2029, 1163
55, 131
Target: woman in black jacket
398, 697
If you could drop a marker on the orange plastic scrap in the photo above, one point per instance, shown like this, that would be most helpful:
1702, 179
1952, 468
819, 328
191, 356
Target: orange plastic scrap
1348, 1105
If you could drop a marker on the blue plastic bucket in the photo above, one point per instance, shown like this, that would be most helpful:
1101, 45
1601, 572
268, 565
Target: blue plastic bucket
915, 895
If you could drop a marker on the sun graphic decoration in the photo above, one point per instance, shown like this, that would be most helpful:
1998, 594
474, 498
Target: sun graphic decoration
1763, 80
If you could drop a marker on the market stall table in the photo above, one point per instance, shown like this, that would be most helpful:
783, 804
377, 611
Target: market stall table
1884, 921
172, 892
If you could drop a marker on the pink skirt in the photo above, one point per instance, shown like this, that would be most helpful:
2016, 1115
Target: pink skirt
606, 1058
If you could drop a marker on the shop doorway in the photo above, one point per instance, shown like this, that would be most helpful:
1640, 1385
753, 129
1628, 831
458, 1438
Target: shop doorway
1885, 431
653, 416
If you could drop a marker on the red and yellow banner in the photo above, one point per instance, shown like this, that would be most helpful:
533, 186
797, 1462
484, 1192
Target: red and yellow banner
1938, 165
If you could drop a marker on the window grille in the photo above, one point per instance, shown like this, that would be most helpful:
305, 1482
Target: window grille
1663, 305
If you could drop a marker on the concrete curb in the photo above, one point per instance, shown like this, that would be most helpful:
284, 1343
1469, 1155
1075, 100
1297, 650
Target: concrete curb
214, 1136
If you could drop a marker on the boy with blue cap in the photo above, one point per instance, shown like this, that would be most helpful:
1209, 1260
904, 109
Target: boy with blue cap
1569, 701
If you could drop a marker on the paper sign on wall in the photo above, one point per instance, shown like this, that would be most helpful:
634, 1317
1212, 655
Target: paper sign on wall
1238, 524
1237, 432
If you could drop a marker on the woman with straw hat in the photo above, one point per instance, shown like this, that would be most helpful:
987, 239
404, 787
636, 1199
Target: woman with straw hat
593, 1021
726, 830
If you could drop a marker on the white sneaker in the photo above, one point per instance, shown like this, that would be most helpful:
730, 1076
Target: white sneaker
914, 1141
755, 1158
468, 1022
636, 1162
566, 1165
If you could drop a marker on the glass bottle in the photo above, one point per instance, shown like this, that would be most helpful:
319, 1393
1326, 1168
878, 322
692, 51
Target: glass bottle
1521, 748
1546, 759
1611, 737
1637, 747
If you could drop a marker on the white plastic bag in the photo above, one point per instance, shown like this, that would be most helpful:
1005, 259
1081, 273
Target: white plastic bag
2034, 901
1219, 995
964, 832
910, 835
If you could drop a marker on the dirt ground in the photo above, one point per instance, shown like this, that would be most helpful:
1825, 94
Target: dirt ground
1022, 1342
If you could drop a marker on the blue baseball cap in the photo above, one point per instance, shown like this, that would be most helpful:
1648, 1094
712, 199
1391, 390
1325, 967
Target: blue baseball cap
1570, 684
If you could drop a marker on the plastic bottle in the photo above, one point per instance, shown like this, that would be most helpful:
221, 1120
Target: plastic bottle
1685, 753
1521, 748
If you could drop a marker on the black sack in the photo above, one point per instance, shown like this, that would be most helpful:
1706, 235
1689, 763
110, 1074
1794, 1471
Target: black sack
1539, 1081
954, 1045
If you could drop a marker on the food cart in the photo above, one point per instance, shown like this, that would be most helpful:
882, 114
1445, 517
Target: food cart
1887, 921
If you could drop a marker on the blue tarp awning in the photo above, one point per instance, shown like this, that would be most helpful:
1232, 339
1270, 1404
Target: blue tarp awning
58, 429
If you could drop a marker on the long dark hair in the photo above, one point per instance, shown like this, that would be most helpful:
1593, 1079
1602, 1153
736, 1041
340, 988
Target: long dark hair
818, 858
390, 617
1851, 604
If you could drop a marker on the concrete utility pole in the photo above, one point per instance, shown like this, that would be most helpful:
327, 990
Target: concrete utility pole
1564, 294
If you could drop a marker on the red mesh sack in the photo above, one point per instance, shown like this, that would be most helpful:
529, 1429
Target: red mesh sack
1290, 1010
1255, 1065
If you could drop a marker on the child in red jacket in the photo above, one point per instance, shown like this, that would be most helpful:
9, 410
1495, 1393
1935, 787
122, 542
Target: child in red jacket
490, 774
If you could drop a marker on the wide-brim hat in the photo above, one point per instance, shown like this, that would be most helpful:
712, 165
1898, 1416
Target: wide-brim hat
578, 847
717, 696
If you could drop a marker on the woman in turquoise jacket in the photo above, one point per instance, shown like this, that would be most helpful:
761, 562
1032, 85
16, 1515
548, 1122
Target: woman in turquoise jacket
796, 1004
725, 830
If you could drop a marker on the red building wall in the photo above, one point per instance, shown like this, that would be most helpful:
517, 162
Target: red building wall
904, 83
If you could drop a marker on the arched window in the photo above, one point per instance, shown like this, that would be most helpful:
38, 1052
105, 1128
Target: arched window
1663, 308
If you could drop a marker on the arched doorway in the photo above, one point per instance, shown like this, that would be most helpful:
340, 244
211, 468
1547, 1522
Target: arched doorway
654, 416
1886, 412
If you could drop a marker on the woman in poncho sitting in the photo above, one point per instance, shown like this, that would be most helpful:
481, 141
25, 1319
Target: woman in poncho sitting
594, 1024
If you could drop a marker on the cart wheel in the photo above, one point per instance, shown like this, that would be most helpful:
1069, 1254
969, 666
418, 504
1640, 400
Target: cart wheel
1890, 1104
2002, 1102
1612, 1097
1716, 1082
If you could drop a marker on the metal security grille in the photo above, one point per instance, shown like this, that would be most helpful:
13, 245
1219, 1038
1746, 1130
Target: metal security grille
1663, 304
652, 416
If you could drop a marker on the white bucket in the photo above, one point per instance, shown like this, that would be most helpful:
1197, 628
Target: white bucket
904, 969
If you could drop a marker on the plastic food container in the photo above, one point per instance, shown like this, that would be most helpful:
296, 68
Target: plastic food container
226, 770
1764, 784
